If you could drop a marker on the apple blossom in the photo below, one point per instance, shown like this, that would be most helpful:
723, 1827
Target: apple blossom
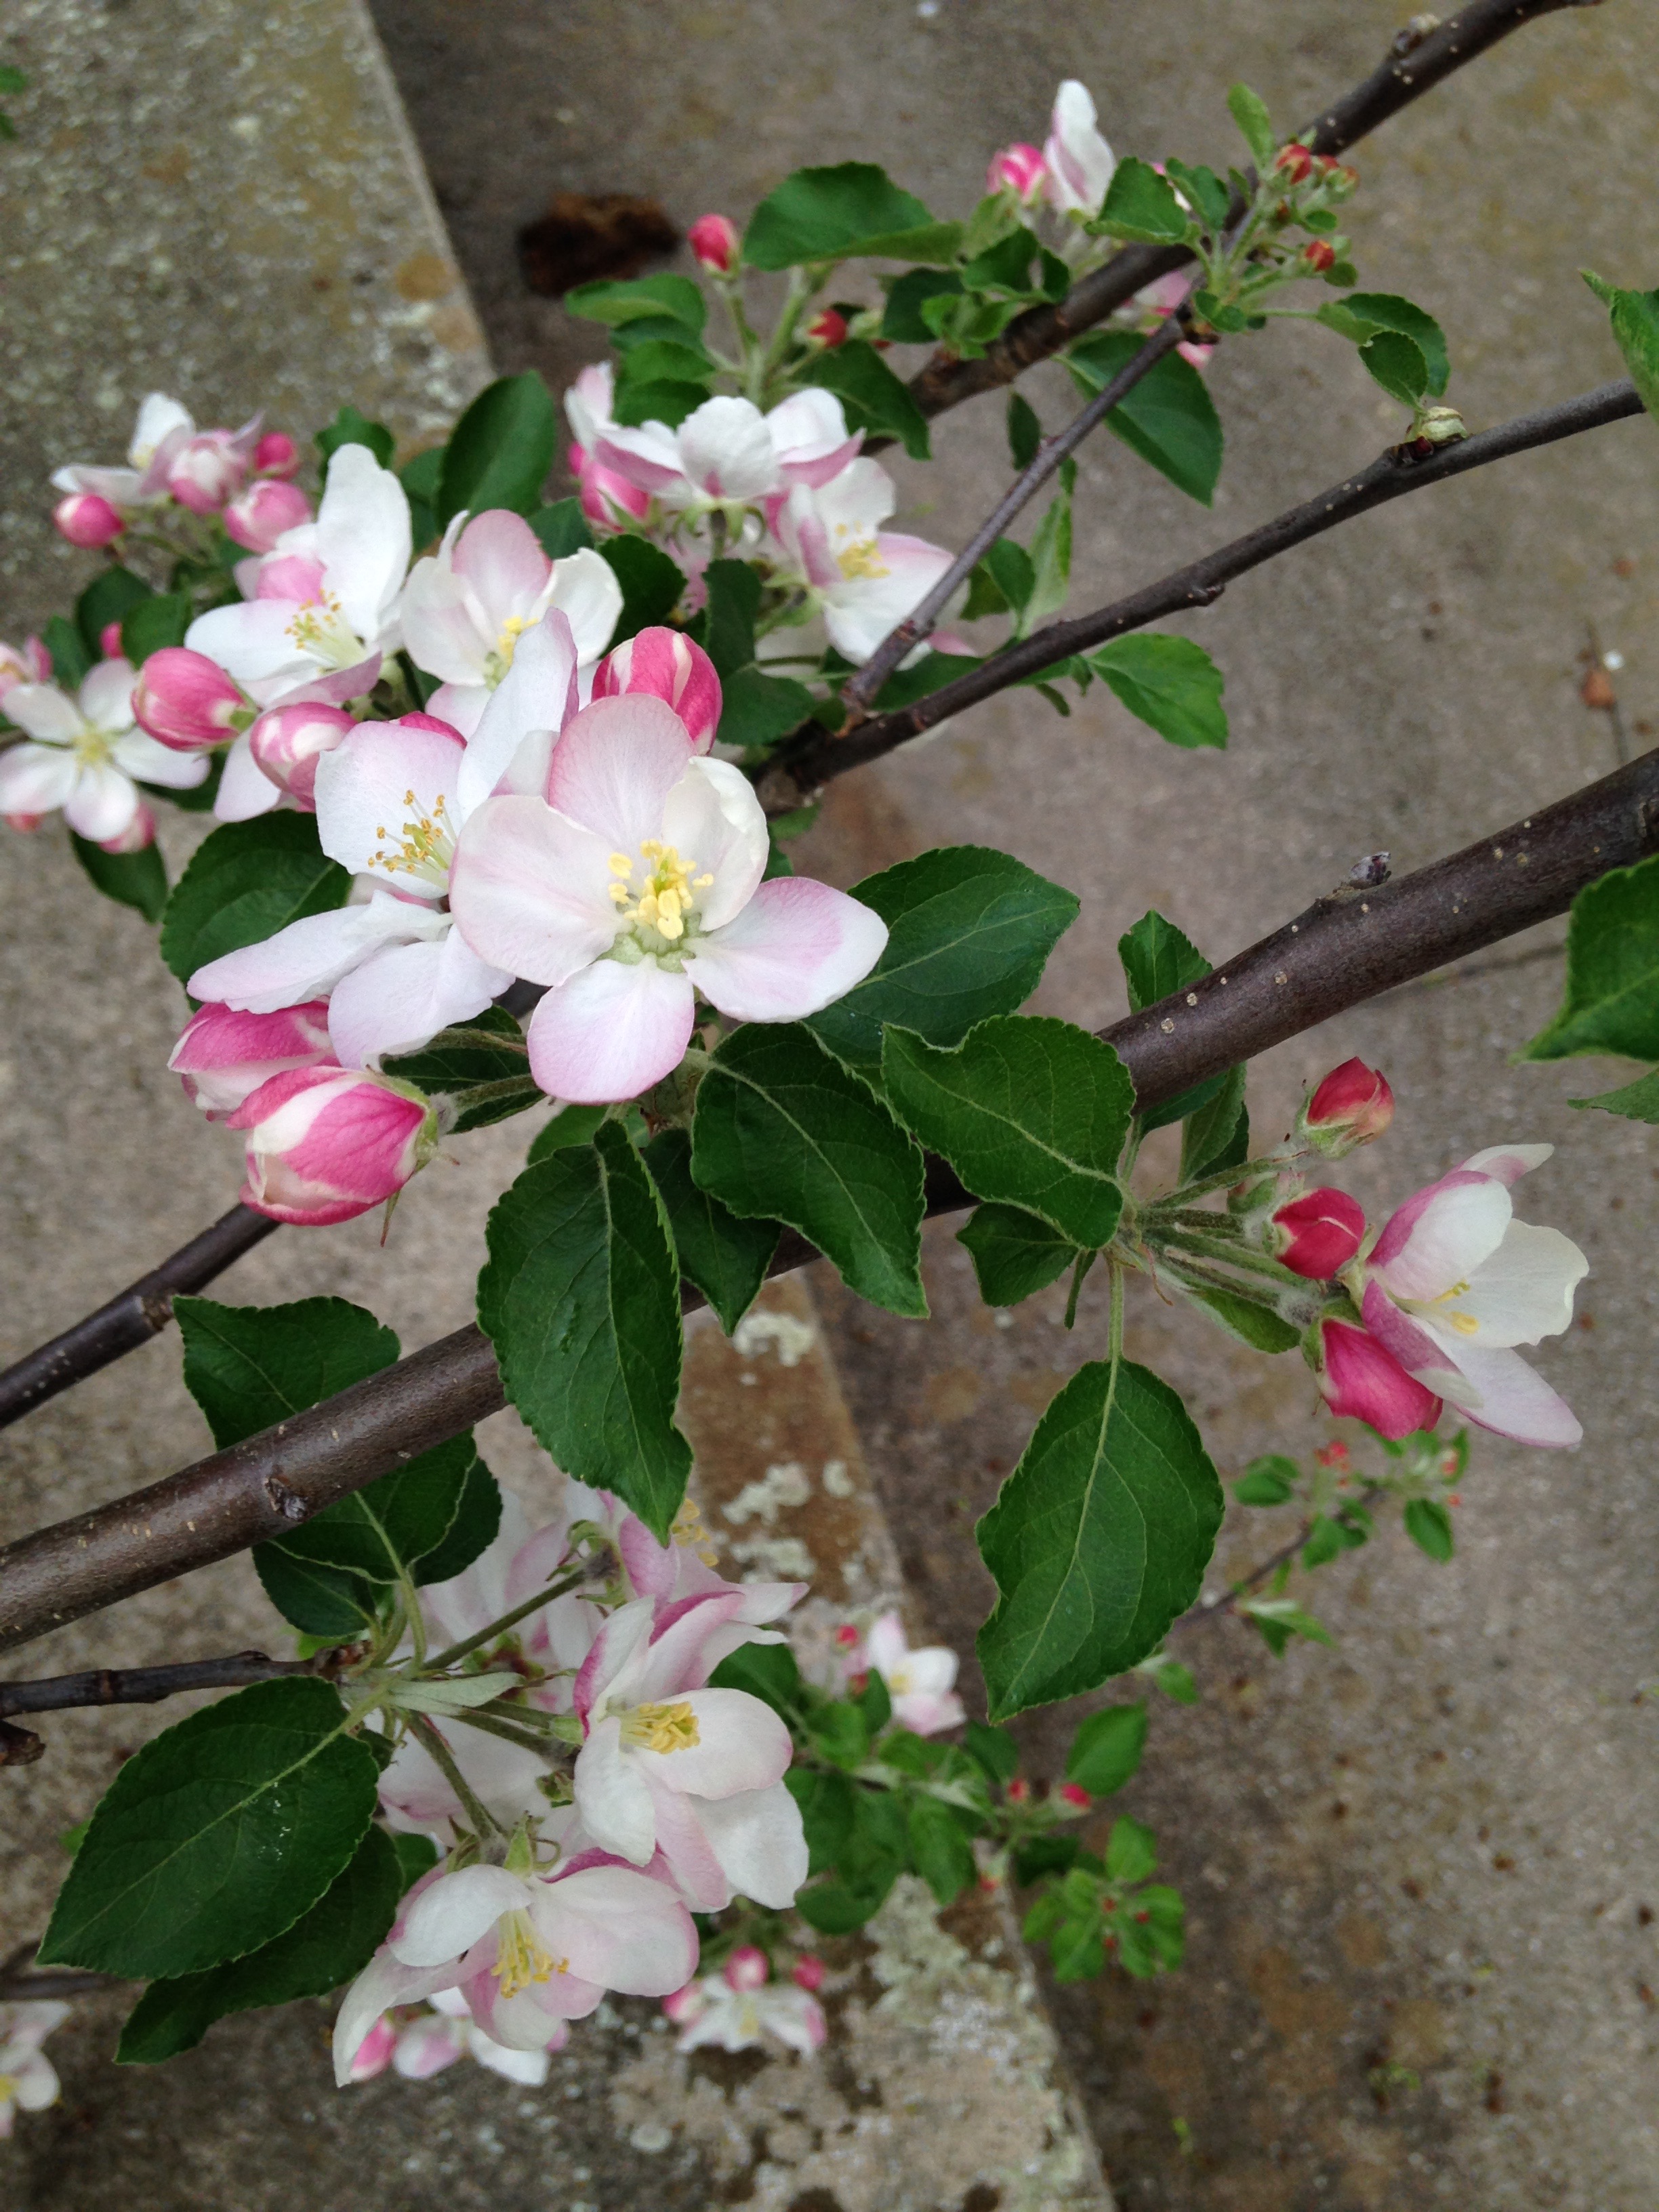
186, 701
85, 755
277, 455
1079, 160
920, 1682
1162, 298
86, 519
1318, 1233
212, 467
738, 2008
865, 580
695, 1774
32, 665
222, 1057
324, 1144
258, 515
669, 664
716, 242
527, 1951
162, 430
727, 454
286, 745
607, 498
1349, 1107
1019, 169
685, 1567
1455, 1282
325, 600
29, 2081
808, 1972
635, 884
435, 2039
1362, 1380
465, 607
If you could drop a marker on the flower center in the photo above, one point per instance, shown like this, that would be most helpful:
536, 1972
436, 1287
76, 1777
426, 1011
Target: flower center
661, 1728
91, 747
688, 1532
521, 1957
668, 896
427, 848
497, 662
1464, 1323
861, 558
320, 628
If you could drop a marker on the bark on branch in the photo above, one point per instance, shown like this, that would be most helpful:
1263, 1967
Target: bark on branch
1346, 948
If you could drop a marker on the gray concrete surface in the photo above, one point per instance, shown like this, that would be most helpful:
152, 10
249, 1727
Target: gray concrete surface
1433, 1849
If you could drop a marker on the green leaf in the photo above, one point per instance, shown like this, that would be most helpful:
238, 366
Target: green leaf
473, 1530
840, 1731
969, 931
1013, 1253
149, 624
1172, 1678
901, 320
1051, 563
70, 658
665, 400
458, 1061
766, 1671
571, 1124
1396, 363
419, 478
1250, 111
870, 1860
1269, 1480
1611, 1002
499, 451
1278, 1619
562, 529
135, 879
1636, 326
581, 1299
325, 1947
826, 1802
993, 1749
249, 1367
651, 583
1429, 1525
246, 881
871, 397
349, 428
734, 598
677, 360
1010, 568
1386, 311
833, 214
1106, 1749
216, 1836
1131, 1851
618, 304
726, 1257
416, 1855
1168, 419
1028, 1110
1139, 204
109, 597
1209, 1136
1206, 190
320, 1601
394, 1521
782, 1131
940, 1853
757, 709
1169, 683
1098, 1538
1636, 1101
1243, 1318
1024, 431
1158, 959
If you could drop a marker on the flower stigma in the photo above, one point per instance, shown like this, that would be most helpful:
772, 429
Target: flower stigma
661, 1728
670, 891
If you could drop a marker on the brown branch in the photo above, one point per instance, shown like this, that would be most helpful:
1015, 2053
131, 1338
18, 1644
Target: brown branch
1413, 66
146, 1685
805, 763
1212, 1607
1349, 946
131, 1319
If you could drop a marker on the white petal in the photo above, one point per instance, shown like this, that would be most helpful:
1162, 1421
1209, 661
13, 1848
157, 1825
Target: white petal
45, 713
253, 642
1509, 1163
1460, 1224
1498, 1391
384, 1981
101, 805
306, 960
530, 890
35, 779
585, 591
106, 696
1522, 1292
381, 777
614, 766
533, 700
244, 789
624, 1929
445, 1921
611, 1795
758, 1838
363, 537
796, 947
437, 625
143, 756
727, 450
399, 1000
611, 1032
742, 1744
718, 826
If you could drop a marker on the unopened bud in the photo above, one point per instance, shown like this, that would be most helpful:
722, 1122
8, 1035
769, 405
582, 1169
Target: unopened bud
1318, 1234
276, 455
1440, 426
715, 239
828, 328
1319, 255
325, 1143
258, 517
666, 663
1076, 1796
1019, 168
138, 833
185, 699
86, 520
1351, 1105
748, 1968
685, 2005
287, 742
1018, 1791
109, 641
207, 471
808, 1972
1295, 161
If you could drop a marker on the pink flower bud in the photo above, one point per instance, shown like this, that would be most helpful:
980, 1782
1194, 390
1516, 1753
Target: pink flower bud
607, 498
748, 1968
185, 700
324, 1144
287, 742
1018, 1791
206, 472
1076, 1796
685, 2005
666, 664
715, 239
258, 517
1318, 1234
846, 1636
138, 833
1351, 1105
222, 1057
828, 328
1294, 162
86, 519
276, 455
1019, 168
25, 824
109, 641
1319, 255
808, 1972
375, 2051
1359, 1378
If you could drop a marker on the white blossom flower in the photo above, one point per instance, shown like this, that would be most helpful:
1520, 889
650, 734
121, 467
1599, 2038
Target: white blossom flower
87, 754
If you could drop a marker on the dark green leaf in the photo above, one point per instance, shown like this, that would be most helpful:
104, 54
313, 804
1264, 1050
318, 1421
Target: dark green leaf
246, 881
109, 597
833, 214
1140, 204
677, 360
149, 624
1209, 1136
869, 1861
1636, 326
571, 1124
783, 1132
766, 1671
1250, 111
826, 1802
319, 1601
217, 1836
1041, 1855
1242, 1317
394, 1523
661, 401
1131, 1851
416, 1855
1009, 567
1051, 563
651, 583
875, 1702
871, 397
1611, 1002
70, 657
1168, 419
1158, 959
608, 301
985, 595
1106, 1749
249, 1367
1013, 1253
1098, 1538
906, 685
581, 1299
1024, 431
726, 1257
458, 1062
420, 476
992, 1749
1269, 1480
1028, 1110
939, 1851
840, 1731
325, 1947
901, 320
135, 879
757, 709
970, 930
349, 428
1206, 190
1636, 1101
1386, 311
1429, 1525
473, 1531
499, 451
1396, 363
1169, 683
734, 597
562, 529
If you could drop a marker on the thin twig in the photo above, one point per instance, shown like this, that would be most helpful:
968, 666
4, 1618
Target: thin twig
1343, 950
146, 1685
1212, 1606
805, 763
32, 1989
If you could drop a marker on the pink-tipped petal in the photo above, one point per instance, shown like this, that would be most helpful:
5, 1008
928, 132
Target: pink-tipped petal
795, 948
614, 766
529, 891
510, 748
1507, 1396
400, 999
611, 1032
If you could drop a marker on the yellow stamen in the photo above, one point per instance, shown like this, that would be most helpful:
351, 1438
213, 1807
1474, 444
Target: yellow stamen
521, 1957
661, 1728
669, 894
861, 558
688, 1532
428, 844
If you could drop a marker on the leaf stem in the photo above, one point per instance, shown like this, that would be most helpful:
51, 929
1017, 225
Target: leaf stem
484, 1822
442, 1660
